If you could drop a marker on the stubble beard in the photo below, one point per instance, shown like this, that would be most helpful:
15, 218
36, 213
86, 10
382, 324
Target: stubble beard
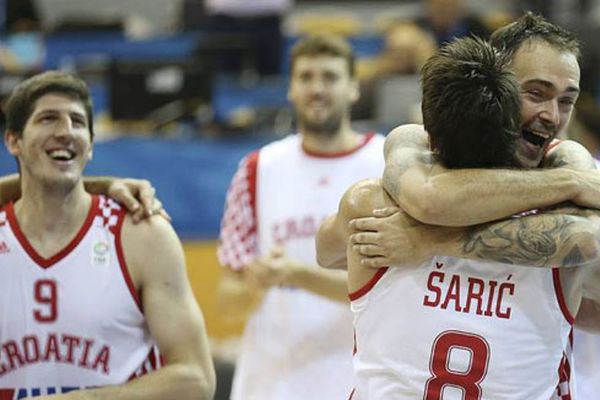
325, 129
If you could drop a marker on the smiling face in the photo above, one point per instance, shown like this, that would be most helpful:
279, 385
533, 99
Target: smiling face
549, 80
55, 144
322, 91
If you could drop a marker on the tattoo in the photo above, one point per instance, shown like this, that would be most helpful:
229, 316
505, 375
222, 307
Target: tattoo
555, 160
396, 166
575, 257
537, 240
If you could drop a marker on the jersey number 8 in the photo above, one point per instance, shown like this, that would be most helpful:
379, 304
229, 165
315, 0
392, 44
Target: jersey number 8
441, 375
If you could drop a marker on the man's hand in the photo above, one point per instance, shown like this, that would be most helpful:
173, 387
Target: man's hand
391, 237
271, 270
138, 196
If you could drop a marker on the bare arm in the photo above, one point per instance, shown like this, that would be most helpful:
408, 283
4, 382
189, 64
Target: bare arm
565, 237
137, 195
237, 298
463, 197
277, 269
331, 242
155, 258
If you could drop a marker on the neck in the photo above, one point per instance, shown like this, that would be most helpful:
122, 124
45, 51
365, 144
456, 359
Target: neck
44, 215
345, 139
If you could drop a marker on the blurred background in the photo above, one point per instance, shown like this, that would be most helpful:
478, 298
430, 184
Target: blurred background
183, 89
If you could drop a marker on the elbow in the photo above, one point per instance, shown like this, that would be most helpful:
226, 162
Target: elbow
194, 381
589, 247
424, 208
203, 382
208, 385
322, 259
325, 257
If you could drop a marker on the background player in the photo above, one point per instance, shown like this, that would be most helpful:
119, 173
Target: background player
275, 203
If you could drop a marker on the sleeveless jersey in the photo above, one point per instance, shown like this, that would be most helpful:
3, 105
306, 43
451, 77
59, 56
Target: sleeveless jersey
297, 345
458, 329
73, 320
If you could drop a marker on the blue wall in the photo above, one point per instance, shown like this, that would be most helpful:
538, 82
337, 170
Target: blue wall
191, 177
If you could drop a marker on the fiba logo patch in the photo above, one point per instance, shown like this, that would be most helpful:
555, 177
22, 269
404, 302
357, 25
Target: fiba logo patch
101, 254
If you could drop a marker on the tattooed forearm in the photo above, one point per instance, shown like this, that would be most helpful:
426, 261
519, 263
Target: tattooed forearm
537, 240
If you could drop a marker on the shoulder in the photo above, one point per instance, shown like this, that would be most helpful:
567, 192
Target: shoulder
150, 245
411, 135
568, 153
151, 231
362, 197
279, 150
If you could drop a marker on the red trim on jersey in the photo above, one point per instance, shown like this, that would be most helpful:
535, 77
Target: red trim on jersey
563, 388
561, 297
357, 294
31, 251
364, 140
252, 169
122, 263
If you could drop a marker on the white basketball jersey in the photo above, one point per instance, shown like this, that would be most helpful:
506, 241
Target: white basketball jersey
455, 329
297, 345
73, 320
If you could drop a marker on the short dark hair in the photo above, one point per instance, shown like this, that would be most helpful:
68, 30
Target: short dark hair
324, 44
471, 105
20, 104
530, 27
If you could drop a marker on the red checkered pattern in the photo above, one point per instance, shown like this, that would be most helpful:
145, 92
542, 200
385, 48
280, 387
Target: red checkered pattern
108, 212
238, 239
563, 389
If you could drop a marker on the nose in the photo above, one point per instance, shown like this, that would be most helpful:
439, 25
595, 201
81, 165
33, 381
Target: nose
64, 127
317, 86
550, 114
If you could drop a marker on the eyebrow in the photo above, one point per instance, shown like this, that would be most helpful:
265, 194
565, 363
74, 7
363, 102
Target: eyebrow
550, 85
56, 111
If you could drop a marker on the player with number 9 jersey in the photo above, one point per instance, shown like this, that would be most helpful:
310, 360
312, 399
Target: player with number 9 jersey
73, 320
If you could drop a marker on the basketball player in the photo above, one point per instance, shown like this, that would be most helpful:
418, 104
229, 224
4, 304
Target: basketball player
298, 341
544, 58
87, 298
448, 335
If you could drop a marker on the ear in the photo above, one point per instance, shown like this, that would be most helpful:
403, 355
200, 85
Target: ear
90, 154
12, 142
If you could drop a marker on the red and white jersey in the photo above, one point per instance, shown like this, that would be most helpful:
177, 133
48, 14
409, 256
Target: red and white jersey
73, 320
459, 329
297, 345
586, 353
